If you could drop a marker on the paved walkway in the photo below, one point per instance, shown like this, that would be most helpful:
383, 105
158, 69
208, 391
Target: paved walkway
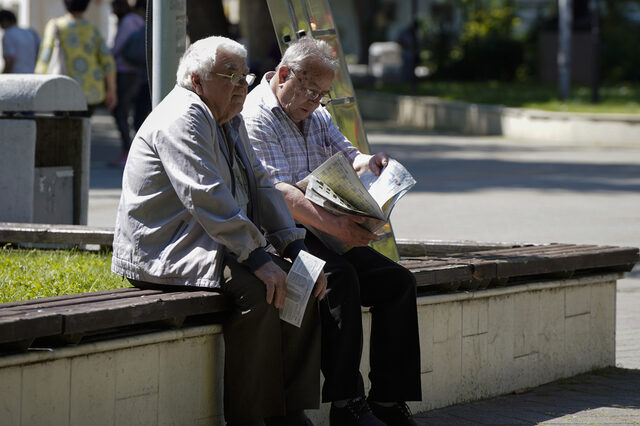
610, 396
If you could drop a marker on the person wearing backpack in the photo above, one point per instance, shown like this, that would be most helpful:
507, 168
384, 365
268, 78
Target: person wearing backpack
128, 50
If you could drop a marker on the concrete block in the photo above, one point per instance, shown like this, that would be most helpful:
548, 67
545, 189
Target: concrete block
500, 342
602, 324
137, 371
139, 410
475, 317
92, 392
10, 389
180, 401
46, 393
524, 372
40, 93
577, 301
474, 362
526, 321
425, 328
17, 144
577, 344
551, 351
447, 353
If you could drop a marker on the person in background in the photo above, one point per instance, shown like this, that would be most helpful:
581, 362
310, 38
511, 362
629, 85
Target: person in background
88, 60
19, 46
292, 135
196, 211
130, 74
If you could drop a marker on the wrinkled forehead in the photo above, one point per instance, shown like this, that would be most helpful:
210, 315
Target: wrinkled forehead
228, 61
315, 73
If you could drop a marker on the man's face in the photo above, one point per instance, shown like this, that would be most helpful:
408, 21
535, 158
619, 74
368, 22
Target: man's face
218, 92
296, 89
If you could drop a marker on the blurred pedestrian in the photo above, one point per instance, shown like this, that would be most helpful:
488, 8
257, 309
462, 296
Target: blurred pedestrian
408, 40
19, 45
129, 52
87, 58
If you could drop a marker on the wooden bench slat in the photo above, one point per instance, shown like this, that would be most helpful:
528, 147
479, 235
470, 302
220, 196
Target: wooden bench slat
105, 316
17, 327
80, 299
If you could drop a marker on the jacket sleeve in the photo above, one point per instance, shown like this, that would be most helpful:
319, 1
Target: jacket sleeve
187, 150
274, 214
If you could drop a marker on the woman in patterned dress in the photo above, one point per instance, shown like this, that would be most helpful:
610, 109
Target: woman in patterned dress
88, 60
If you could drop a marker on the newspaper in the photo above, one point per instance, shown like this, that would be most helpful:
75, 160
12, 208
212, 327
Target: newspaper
336, 187
300, 281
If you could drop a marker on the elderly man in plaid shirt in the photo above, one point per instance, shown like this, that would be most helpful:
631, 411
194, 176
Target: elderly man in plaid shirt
292, 135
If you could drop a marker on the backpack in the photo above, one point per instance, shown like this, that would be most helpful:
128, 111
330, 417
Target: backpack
134, 49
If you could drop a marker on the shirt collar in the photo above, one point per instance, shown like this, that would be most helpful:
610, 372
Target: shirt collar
268, 97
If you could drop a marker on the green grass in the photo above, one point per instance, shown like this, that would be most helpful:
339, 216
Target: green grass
31, 274
624, 98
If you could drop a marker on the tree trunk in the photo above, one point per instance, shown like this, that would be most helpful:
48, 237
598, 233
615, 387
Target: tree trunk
206, 18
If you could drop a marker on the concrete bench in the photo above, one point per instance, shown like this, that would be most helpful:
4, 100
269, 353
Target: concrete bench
494, 318
439, 267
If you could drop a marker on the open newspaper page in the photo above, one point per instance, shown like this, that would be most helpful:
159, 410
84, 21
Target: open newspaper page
300, 281
336, 187
386, 189
339, 175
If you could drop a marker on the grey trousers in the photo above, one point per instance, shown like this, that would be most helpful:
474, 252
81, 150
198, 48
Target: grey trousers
271, 366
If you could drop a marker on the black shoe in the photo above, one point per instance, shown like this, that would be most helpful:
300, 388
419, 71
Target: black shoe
396, 415
355, 413
293, 418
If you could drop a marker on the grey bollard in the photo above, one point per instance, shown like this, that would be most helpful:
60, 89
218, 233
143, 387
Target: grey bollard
45, 145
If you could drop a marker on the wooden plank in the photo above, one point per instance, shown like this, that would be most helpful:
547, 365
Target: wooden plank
28, 326
415, 248
11, 232
77, 299
131, 311
436, 272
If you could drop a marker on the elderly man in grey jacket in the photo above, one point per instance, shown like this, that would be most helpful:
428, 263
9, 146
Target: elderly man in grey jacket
196, 212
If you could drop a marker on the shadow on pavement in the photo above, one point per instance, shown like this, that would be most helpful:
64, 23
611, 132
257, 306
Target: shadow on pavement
607, 396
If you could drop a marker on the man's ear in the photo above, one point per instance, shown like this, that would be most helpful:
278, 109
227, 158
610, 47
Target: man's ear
195, 82
283, 73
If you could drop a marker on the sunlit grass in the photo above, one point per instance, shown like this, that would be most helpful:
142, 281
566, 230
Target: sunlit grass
624, 98
30, 274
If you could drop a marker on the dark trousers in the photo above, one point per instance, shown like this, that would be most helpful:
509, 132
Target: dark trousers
127, 86
271, 366
363, 277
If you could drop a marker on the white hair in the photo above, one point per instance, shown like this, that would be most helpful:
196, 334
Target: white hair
200, 58
306, 48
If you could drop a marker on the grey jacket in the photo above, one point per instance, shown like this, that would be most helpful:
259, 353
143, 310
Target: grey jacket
177, 212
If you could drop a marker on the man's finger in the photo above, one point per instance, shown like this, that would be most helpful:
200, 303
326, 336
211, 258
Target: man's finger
270, 291
281, 293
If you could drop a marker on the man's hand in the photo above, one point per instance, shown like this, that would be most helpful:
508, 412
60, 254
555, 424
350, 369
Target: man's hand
374, 163
275, 279
321, 286
347, 228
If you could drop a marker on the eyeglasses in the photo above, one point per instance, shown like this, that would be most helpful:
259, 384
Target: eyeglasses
314, 95
239, 79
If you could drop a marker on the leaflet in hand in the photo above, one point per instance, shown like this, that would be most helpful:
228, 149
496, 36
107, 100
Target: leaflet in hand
300, 282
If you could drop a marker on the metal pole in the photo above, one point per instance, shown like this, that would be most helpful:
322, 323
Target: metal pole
169, 34
595, 44
564, 48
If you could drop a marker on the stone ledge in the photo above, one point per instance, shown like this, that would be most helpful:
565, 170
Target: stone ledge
435, 114
474, 345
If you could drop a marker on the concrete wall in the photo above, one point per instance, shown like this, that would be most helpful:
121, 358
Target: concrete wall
515, 123
474, 345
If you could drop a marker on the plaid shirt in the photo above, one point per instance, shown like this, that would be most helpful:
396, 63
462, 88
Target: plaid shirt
288, 154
